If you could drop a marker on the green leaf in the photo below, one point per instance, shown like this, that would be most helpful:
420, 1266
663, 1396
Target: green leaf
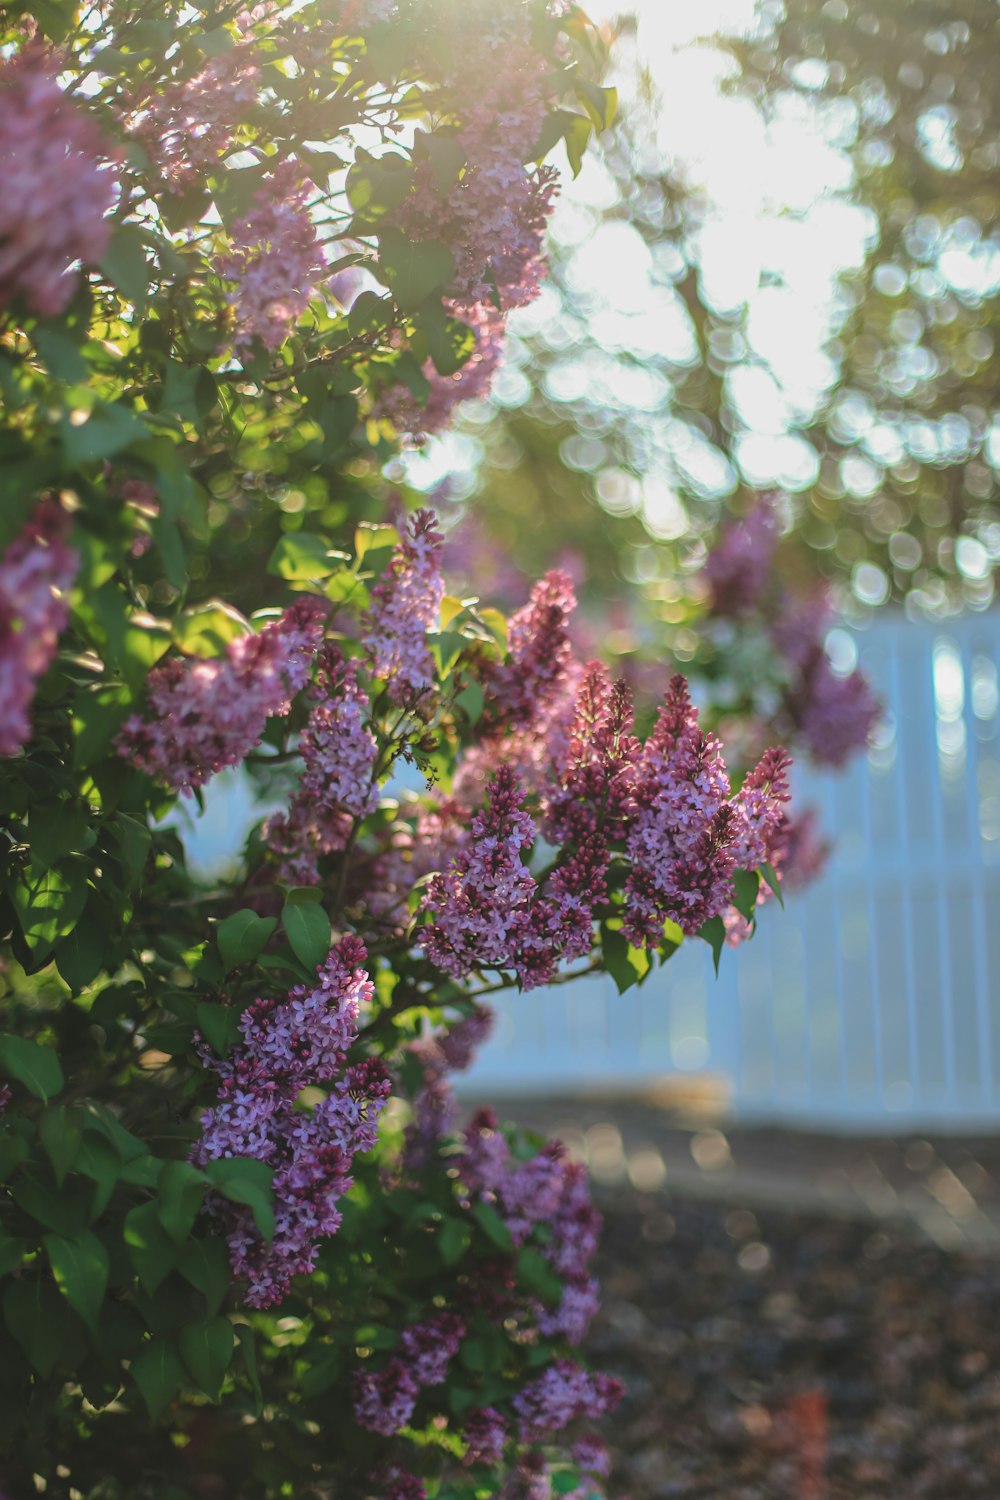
12, 1253
496, 624
576, 133
450, 342
241, 1179
80, 1268
105, 431
770, 874
672, 933
206, 1349
370, 313
37, 1317
746, 884
302, 556
54, 830
159, 1373
80, 954
472, 701
125, 265
150, 1248
242, 936
98, 1160
535, 1273
180, 1189
35, 1066
320, 1376
205, 1264
600, 103
414, 269
208, 629
248, 1348
49, 905
620, 959
61, 1132
98, 713
493, 1226
308, 929
376, 186
146, 640
714, 933
446, 648
453, 1241
219, 1024
369, 538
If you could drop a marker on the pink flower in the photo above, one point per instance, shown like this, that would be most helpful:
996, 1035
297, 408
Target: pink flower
338, 752
35, 571
539, 652
761, 800
211, 714
739, 566
189, 124
56, 186
683, 839
406, 602
276, 260
288, 1045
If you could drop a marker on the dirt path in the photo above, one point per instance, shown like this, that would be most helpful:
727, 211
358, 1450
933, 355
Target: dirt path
796, 1318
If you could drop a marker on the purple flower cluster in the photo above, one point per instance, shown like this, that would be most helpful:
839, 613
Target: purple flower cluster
276, 260
211, 713
738, 568
56, 186
683, 840
186, 127
562, 1393
485, 1433
35, 571
384, 1399
406, 602
337, 787
493, 212
540, 653
833, 713
395, 1483
481, 904
290, 1044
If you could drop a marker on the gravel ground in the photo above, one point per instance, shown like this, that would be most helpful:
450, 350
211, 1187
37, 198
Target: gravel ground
795, 1318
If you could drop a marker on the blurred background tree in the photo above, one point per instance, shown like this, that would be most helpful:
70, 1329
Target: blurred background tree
847, 357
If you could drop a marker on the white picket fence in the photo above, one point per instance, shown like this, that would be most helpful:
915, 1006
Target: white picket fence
872, 1001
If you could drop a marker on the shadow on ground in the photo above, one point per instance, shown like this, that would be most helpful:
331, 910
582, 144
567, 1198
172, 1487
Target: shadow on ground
795, 1317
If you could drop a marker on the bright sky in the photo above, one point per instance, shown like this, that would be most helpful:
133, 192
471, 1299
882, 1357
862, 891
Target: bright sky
776, 232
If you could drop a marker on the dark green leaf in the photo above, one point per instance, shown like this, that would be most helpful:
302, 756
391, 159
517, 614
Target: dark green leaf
308, 929
80, 954
41, 1323
48, 905
770, 874
535, 1273
54, 830
80, 1268
746, 884
248, 1348
151, 1251
370, 313
61, 1132
180, 1189
159, 1373
206, 1349
219, 1024
242, 936
493, 1226
12, 1253
241, 1179
35, 1066
205, 1264
453, 1241
714, 933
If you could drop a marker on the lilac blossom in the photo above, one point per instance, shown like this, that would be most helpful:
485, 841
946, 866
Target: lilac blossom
485, 1432
539, 652
395, 1483
209, 714
561, 1394
5, 1098
739, 566
590, 1453
682, 842
36, 570
833, 713
574, 1313
761, 801
406, 602
338, 786
384, 1399
56, 185
288, 1045
187, 126
480, 904
276, 260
